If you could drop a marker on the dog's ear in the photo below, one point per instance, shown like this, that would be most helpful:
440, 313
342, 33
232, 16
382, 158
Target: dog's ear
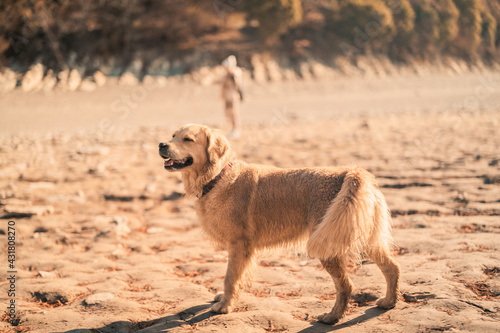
217, 147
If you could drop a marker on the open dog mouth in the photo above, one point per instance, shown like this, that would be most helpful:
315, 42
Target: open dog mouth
171, 164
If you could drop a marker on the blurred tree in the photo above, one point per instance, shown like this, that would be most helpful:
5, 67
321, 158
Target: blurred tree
470, 24
404, 22
113, 33
493, 7
368, 24
448, 22
436, 26
488, 30
427, 27
274, 16
54, 30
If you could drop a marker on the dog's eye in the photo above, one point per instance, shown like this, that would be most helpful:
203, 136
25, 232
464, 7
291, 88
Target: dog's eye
188, 140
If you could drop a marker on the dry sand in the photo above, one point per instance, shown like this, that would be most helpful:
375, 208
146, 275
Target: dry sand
106, 243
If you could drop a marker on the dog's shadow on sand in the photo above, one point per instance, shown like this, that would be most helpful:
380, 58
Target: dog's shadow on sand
317, 327
186, 318
197, 314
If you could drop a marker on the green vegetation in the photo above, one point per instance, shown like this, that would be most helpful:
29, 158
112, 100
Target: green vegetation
437, 25
448, 22
470, 24
488, 30
404, 21
369, 24
58, 31
493, 7
427, 25
274, 16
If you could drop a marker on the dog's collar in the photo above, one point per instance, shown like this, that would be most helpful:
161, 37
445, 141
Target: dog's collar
210, 185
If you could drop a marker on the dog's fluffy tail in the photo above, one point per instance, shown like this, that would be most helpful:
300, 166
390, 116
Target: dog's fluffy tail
357, 220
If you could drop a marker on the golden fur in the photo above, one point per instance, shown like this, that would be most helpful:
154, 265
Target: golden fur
339, 211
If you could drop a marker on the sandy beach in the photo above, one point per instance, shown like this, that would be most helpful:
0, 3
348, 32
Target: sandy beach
106, 242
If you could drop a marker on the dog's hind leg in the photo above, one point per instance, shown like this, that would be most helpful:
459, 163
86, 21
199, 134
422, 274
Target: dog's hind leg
343, 285
390, 268
240, 258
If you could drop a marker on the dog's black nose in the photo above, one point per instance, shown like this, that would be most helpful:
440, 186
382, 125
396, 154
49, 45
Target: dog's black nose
163, 145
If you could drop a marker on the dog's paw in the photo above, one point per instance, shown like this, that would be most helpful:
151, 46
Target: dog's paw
218, 296
386, 303
329, 318
220, 307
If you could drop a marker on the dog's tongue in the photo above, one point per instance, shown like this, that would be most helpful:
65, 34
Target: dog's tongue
169, 162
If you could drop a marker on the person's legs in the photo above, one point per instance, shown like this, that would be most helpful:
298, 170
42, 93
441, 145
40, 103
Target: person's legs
233, 116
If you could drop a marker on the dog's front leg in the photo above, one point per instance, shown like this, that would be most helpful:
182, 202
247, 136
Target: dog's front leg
240, 257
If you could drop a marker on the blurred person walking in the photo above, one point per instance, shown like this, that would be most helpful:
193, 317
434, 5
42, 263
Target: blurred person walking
232, 94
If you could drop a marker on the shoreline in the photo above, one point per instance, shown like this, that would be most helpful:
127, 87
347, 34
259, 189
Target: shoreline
114, 107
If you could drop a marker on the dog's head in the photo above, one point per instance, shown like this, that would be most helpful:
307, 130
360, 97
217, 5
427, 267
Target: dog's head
198, 149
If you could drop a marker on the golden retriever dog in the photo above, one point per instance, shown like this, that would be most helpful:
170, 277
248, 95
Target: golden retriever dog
338, 211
